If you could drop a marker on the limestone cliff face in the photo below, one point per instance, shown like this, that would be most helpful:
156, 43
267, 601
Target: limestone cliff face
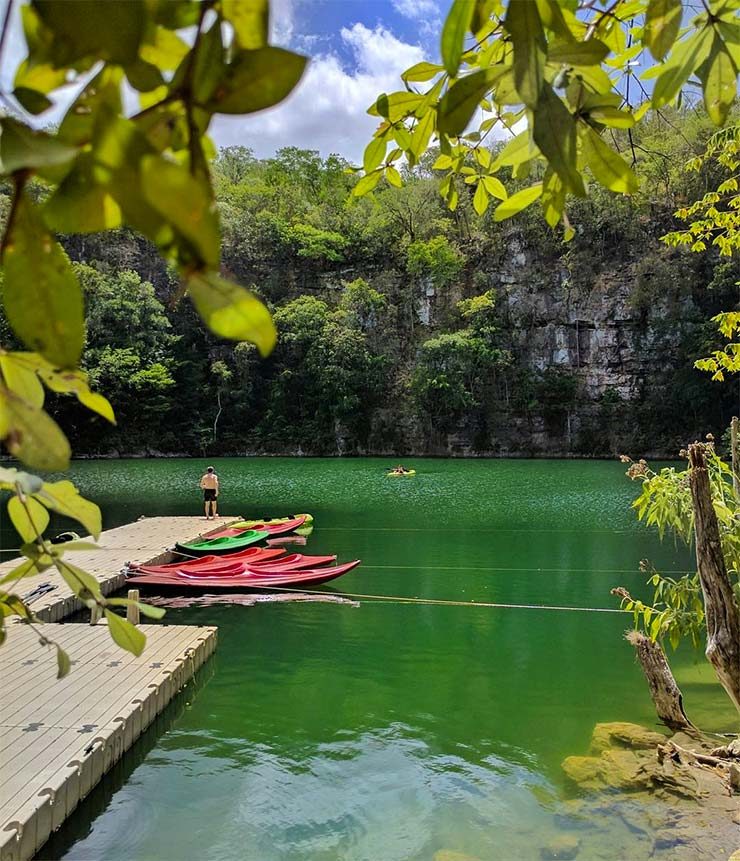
623, 337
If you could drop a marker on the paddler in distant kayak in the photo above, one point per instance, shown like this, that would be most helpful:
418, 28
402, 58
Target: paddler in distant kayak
400, 470
209, 486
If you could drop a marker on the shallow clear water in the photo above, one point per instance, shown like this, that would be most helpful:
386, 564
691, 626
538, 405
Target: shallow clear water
395, 731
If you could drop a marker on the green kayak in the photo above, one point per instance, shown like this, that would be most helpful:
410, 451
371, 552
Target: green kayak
227, 544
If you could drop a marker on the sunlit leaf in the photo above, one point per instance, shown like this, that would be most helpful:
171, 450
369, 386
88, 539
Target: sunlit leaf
64, 665
607, 166
459, 103
31, 435
186, 203
530, 48
662, 26
454, 31
80, 205
719, 79
42, 296
232, 312
480, 199
554, 132
64, 498
124, 634
22, 379
29, 518
421, 72
517, 202
374, 154
258, 79
22, 148
592, 52
250, 20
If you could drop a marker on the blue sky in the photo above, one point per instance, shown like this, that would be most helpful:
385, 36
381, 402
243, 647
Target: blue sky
358, 49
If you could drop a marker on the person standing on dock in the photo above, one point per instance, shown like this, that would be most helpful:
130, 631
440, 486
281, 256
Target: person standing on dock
209, 486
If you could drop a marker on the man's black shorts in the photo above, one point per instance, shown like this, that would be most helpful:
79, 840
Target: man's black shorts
209, 495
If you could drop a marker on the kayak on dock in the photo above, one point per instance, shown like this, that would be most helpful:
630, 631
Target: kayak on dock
252, 579
251, 554
224, 544
284, 527
234, 564
272, 521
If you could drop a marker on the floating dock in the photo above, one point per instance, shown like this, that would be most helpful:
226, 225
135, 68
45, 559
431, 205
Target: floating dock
145, 540
59, 737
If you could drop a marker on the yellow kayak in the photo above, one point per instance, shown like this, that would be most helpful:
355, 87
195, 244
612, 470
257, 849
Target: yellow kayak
407, 474
248, 524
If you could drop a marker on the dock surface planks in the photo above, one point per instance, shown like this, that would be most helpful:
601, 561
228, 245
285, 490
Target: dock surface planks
141, 541
58, 738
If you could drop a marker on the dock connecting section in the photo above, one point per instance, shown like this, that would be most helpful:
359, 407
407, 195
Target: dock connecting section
59, 737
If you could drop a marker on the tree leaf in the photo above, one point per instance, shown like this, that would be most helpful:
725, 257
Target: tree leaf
592, 52
30, 520
687, 55
22, 148
367, 183
232, 312
719, 79
164, 49
612, 117
257, 80
22, 379
124, 634
524, 26
517, 202
494, 187
31, 435
459, 103
518, 150
374, 154
422, 133
395, 106
110, 31
84, 585
80, 205
64, 498
421, 72
250, 20
554, 132
553, 197
97, 403
42, 296
455, 28
607, 166
662, 26
64, 665
480, 199
393, 177
186, 203
144, 609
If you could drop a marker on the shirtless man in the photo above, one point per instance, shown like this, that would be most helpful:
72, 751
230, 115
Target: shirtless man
209, 486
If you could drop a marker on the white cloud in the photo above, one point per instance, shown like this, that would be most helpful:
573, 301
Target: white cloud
416, 10
327, 110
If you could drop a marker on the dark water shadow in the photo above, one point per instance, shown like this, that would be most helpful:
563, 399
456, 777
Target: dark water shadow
80, 824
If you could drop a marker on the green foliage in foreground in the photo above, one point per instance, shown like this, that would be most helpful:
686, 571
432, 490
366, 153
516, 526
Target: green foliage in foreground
569, 73
103, 169
677, 608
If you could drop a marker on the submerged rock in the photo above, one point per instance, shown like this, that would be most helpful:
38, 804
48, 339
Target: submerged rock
563, 847
632, 735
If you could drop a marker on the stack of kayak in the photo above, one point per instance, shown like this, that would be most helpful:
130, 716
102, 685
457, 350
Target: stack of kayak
242, 535
224, 560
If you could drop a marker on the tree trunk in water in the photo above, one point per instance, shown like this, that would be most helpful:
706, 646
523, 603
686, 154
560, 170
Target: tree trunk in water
664, 691
722, 616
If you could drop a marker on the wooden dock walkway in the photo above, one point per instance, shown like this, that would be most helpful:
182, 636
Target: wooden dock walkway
58, 737
140, 541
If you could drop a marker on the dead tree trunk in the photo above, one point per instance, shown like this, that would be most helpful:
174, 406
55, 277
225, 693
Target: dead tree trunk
735, 459
722, 616
665, 693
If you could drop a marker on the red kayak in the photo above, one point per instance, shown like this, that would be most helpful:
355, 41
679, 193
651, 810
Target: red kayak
226, 567
251, 555
250, 579
273, 528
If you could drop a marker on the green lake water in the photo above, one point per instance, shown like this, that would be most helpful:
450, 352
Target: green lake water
394, 731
